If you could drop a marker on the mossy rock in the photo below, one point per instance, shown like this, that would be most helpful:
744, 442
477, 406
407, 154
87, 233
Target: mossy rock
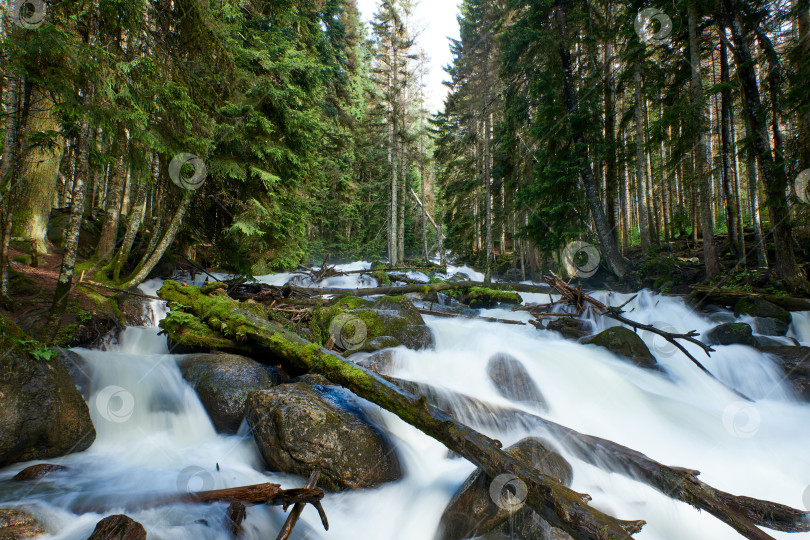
483, 298
223, 381
624, 342
759, 307
731, 334
480, 508
363, 325
17, 524
301, 427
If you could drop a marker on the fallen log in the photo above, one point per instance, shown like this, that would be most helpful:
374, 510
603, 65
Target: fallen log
295, 513
741, 513
557, 504
702, 295
448, 314
271, 494
434, 287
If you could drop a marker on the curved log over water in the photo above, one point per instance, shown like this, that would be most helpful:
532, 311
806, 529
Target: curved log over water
554, 502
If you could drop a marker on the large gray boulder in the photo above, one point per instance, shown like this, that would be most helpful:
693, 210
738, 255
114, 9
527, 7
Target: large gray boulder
759, 307
512, 381
624, 342
118, 527
223, 381
795, 362
42, 413
482, 505
731, 334
301, 427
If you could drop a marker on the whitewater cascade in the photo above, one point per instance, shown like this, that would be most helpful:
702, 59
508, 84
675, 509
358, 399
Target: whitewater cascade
154, 437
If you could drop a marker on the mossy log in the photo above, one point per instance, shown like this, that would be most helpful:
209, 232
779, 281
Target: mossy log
702, 295
435, 287
556, 503
743, 514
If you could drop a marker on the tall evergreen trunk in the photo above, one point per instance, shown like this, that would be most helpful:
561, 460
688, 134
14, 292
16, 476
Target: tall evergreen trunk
774, 175
403, 185
609, 250
488, 196
64, 282
135, 218
803, 61
641, 166
732, 210
11, 109
149, 261
115, 193
611, 169
39, 168
699, 129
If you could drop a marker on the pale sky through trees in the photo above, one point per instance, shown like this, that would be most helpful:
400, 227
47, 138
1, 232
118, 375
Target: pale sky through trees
437, 21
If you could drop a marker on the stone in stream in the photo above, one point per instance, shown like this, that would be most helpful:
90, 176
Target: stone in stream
18, 524
731, 334
795, 362
358, 324
482, 506
301, 427
223, 381
42, 413
35, 472
770, 326
118, 527
570, 328
512, 380
624, 342
759, 307
381, 362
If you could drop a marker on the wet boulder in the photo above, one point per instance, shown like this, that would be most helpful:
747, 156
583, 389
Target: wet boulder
223, 382
42, 413
118, 527
624, 342
381, 362
795, 362
731, 334
570, 328
35, 472
301, 427
357, 324
78, 369
512, 380
513, 275
769, 326
18, 524
458, 276
483, 505
755, 306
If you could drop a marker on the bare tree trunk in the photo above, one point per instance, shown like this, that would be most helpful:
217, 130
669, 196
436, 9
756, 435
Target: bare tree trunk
641, 165
11, 109
732, 210
488, 196
611, 170
699, 128
112, 214
135, 218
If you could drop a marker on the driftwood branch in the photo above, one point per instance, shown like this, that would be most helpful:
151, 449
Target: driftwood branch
557, 504
295, 513
448, 314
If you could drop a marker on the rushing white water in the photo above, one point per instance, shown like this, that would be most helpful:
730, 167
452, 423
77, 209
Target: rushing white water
154, 437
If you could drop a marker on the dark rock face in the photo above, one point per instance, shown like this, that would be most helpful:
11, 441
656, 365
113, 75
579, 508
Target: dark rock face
42, 414
624, 342
570, 328
513, 381
768, 326
758, 307
17, 524
381, 362
363, 325
301, 427
731, 334
77, 368
458, 276
35, 472
795, 361
513, 275
223, 382
119, 527
482, 505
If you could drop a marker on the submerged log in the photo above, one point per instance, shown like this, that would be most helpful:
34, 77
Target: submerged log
271, 494
557, 504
